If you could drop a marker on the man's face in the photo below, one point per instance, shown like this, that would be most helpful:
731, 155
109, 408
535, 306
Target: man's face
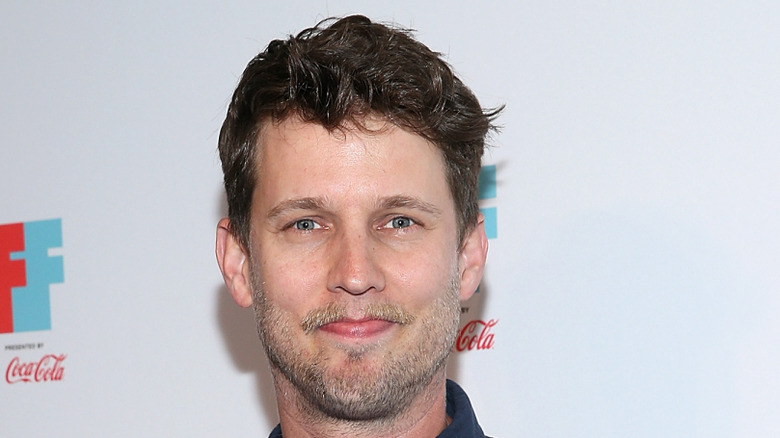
354, 265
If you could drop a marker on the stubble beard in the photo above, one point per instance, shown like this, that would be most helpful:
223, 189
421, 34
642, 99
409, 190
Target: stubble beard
368, 388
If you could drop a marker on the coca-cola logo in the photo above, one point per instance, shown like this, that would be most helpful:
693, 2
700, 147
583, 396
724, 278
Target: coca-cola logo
476, 335
48, 368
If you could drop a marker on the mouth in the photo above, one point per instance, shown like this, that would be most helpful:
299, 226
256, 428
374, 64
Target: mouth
358, 329
373, 320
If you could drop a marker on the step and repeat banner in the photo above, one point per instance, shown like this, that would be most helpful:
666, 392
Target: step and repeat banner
631, 202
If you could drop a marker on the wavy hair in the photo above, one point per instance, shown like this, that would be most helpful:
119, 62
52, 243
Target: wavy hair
337, 74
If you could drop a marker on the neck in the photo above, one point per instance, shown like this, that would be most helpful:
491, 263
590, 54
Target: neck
425, 416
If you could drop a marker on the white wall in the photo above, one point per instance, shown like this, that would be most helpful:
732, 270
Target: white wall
634, 276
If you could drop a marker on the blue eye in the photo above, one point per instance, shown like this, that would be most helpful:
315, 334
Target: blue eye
401, 222
305, 225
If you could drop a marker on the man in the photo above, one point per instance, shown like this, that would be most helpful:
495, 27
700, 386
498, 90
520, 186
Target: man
351, 156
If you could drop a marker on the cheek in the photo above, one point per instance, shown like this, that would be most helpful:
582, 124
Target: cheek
422, 278
292, 284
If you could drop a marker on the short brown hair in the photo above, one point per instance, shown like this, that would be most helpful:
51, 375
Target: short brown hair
338, 73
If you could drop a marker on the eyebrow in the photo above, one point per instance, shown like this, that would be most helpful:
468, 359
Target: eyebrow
401, 201
297, 204
388, 203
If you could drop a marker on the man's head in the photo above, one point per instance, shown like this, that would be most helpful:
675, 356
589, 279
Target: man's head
351, 156
338, 75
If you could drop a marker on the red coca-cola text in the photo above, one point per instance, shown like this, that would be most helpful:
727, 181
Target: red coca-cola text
476, 335
49, 368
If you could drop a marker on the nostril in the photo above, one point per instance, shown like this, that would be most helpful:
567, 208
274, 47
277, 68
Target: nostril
354, 269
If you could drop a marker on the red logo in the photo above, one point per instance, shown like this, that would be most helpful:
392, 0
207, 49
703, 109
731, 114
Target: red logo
476, 334
49, 368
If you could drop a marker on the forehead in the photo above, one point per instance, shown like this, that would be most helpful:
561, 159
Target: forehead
300, 159
375, 139
371, 128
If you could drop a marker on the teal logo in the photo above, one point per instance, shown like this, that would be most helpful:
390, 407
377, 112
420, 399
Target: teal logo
26, 272
487, 193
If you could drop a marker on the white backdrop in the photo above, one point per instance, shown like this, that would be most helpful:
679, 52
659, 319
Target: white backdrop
634, 275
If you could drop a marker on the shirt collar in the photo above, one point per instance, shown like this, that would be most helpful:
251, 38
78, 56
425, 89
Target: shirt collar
464, 421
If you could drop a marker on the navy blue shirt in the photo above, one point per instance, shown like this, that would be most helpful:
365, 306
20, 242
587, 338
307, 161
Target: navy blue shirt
464, 422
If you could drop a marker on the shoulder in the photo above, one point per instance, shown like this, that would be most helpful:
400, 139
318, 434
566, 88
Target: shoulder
277, 432
464, 420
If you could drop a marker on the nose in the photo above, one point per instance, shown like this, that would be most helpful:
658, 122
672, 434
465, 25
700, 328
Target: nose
354, 268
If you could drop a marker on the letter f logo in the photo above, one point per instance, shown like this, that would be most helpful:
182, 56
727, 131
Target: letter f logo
26, 271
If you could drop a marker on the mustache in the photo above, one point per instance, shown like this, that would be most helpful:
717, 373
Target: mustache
321, 316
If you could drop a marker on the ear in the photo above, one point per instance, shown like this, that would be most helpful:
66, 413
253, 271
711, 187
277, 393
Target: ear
473, 254
234, 264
